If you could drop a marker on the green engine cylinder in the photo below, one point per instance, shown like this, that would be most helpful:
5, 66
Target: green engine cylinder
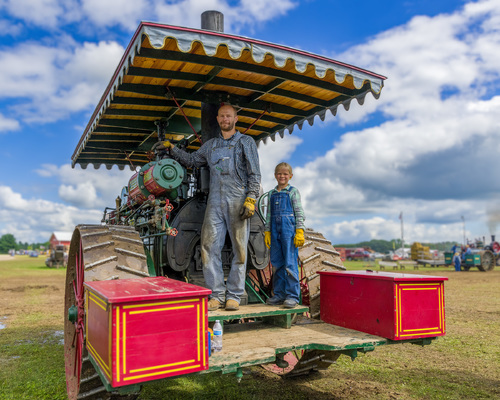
157, 178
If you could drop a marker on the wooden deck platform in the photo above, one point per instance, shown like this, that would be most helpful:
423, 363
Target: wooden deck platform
258, 343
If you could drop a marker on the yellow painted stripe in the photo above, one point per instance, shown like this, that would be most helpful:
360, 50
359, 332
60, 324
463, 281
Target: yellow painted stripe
110, 337
427, 333
86, 314
98, 358
101, 303
162, 366
423, 288
420, 329
118, 344
441, 307
124, 342
159, 304
198, 330
160, 373
418, 284
160, 309
399, 309
397, 314
204, 334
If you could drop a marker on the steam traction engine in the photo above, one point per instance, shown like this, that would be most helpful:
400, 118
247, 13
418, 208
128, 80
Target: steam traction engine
135, 301
484, 257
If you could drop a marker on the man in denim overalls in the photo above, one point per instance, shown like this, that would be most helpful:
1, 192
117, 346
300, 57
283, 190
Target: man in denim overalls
234, 186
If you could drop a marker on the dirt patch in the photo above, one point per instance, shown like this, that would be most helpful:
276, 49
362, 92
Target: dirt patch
22, 297
29, 287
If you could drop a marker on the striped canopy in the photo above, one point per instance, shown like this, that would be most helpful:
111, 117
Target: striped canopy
167, 72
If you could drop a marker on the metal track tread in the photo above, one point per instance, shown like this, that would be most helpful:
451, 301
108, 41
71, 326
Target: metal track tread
317, 254
108, 253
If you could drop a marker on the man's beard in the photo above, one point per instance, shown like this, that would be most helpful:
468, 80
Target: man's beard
229, 127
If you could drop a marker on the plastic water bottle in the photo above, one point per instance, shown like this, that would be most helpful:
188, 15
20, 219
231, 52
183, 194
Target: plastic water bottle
217, 338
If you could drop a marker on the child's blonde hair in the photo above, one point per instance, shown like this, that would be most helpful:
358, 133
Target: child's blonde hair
285, 165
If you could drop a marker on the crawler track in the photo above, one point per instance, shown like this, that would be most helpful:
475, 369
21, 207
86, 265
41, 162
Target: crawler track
97, 253
316, 255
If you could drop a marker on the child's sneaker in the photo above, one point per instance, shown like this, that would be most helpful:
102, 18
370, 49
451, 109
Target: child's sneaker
289, 303
274, 301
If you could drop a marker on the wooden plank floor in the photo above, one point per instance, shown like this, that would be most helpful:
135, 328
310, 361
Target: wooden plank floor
257, 343
254, 311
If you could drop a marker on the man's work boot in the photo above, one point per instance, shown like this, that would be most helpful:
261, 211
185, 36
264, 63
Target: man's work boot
213, 304
232, 305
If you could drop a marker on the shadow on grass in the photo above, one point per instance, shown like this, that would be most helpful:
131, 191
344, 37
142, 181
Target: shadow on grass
256, 384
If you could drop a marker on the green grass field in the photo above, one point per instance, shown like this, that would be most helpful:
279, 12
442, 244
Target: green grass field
465, 364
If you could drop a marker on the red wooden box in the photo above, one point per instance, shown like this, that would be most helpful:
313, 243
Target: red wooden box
394, 306
144, 329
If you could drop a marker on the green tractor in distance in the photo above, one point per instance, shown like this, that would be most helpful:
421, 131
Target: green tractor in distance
478, 255
57, 257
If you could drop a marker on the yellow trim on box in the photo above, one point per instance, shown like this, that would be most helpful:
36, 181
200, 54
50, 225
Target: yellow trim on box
204, 334
110, 337
420, 329
159, 304
98, 301
124, 343
86, 313
160, 309
117, 344
198, 331
427, 333
399, 309
418, 284
129, 378
396, 311
161, 366
98, 358
439, 287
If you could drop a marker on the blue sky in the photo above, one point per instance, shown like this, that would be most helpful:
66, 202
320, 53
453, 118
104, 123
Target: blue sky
429, 147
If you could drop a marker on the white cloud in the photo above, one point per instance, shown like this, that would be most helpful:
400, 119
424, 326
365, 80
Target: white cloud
44, 13
8, 124
90, 188
272, 153
120, 12
82, 195
33, 220
55, 81
52, 14
8, 28
244, 12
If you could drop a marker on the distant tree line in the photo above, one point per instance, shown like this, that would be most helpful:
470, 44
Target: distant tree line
8, 242
385, 246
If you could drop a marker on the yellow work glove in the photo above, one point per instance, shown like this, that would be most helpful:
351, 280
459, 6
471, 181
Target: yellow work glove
299, 240
267, 239
248, 208
163, 145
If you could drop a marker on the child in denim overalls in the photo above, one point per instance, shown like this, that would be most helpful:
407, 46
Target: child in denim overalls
284, 233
